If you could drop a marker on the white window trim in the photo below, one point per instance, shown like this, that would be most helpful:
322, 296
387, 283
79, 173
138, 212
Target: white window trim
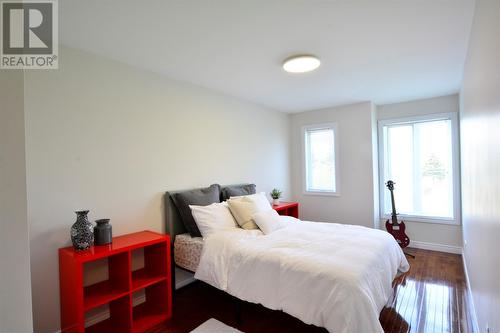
453, 116
333, 126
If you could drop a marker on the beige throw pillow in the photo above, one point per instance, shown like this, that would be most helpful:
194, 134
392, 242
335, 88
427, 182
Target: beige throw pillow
244, 207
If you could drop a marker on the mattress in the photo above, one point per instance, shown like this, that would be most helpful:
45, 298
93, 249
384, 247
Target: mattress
187, 251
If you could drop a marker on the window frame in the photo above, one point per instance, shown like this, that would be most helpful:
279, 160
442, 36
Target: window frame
455, 150
333, 126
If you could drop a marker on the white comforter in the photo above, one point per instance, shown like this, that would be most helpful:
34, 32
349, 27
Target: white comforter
331, 275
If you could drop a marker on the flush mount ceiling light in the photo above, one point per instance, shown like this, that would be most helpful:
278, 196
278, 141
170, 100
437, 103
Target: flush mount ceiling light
301, 64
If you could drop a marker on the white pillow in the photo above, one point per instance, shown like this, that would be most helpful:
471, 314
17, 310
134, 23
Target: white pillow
258, 199
213, 218
244, 207
268, 221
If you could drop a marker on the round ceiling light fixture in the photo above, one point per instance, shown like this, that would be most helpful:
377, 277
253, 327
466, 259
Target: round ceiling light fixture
301, 64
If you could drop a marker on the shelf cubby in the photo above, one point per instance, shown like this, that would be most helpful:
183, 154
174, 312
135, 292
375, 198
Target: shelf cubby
154, 309
153, 266
116, 285
119, 319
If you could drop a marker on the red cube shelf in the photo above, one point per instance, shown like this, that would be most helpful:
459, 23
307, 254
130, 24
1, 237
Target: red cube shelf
287, 208
117, 291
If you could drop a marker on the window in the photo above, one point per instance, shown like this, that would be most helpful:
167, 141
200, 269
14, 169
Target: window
321, 159
420, 155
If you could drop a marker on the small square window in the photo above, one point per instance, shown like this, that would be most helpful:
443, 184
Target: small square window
321, 160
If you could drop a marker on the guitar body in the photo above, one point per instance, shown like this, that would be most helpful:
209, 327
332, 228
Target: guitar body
398, 232
394, 227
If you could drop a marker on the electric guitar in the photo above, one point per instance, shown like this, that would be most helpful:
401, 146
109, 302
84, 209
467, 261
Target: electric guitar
394, 227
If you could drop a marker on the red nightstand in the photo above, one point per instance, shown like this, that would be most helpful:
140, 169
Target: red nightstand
153, 280
287, 208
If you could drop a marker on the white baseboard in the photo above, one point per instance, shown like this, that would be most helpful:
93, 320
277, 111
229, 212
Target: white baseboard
96, 318
472, 308
183, 278
436, 247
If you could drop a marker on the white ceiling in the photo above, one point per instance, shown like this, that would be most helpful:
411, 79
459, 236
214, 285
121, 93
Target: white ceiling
384, 51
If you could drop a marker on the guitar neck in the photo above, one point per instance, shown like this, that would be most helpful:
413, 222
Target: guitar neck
394, 215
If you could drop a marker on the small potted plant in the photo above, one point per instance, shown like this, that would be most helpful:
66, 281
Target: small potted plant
276, 195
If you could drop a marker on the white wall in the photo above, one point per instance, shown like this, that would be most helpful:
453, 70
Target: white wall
355, 205
104, 136
480, 138
427, 233
15, 288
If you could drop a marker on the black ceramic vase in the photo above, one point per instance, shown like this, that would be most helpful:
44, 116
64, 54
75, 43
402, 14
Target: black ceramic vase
82, 231
102, 232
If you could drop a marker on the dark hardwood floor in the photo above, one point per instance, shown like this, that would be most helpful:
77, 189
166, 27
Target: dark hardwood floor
434, 299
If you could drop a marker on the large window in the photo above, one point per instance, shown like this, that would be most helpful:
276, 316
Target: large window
321, 160
420, 155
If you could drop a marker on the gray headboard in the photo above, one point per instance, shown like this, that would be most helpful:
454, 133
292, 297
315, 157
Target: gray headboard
173, 222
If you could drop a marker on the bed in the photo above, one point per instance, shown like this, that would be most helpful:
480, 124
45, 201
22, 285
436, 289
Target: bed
331, 275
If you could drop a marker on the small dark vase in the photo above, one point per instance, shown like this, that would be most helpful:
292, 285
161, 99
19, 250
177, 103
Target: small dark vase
82, 231
102, 232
